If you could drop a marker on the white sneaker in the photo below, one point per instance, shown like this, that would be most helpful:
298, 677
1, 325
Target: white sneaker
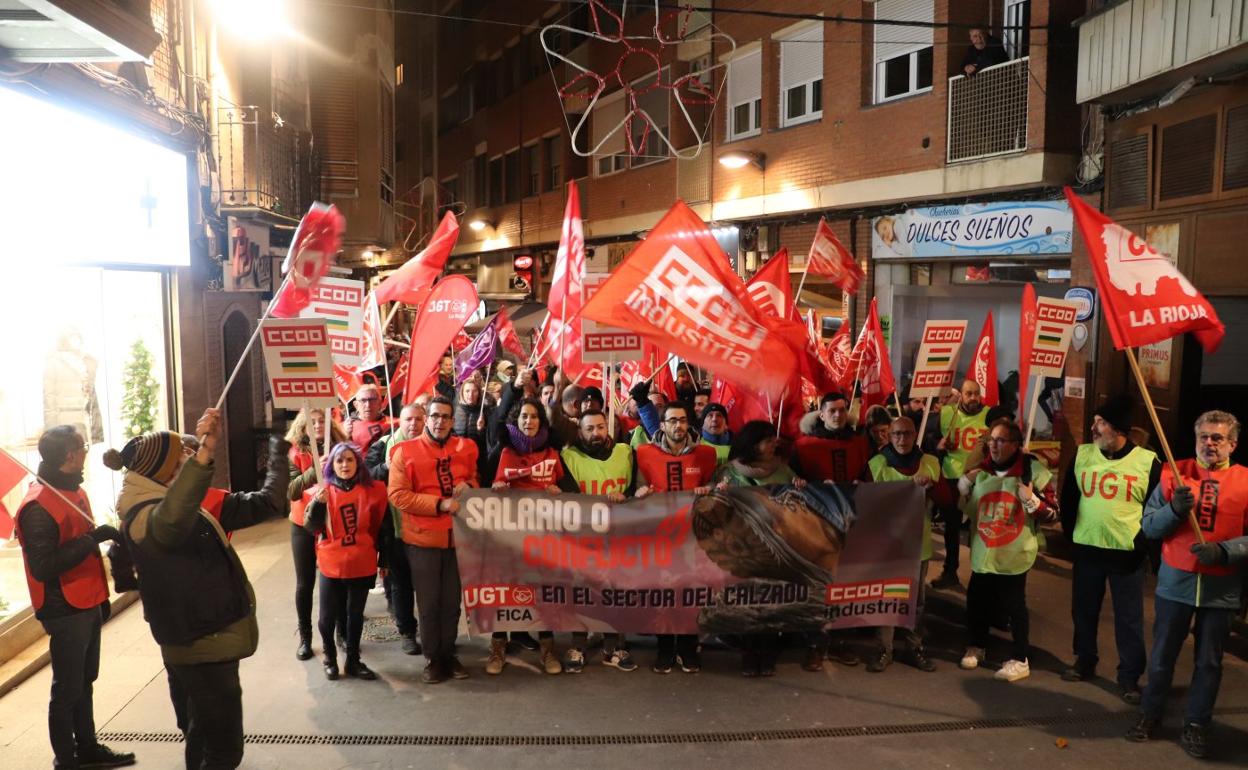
972, 658
1012, 671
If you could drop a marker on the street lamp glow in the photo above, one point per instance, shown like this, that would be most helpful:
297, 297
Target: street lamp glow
735, 159
252, 19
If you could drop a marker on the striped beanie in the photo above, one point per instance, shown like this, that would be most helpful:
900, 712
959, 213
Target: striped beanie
155, 455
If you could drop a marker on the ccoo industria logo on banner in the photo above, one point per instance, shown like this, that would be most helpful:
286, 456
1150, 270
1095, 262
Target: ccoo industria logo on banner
733, 561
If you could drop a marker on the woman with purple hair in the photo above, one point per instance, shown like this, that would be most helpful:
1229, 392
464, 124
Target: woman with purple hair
345, 514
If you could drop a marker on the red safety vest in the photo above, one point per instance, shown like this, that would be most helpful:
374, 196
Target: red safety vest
665, 472
1221, 510
301, 460
84, 585
363, 434
840, 460
347, 548
536, 470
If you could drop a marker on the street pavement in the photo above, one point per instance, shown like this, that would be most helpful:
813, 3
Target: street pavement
606, 718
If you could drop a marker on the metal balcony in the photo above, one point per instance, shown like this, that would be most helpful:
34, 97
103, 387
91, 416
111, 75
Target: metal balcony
988, 112
264, 164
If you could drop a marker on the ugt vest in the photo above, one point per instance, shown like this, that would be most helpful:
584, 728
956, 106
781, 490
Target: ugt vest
1111, 502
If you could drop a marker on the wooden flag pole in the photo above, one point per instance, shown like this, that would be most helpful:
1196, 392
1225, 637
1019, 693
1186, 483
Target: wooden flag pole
780, 411
927, 410
801, 283
610, 395
481, 413
897, 401
1161, 436
49, 487
1031, 413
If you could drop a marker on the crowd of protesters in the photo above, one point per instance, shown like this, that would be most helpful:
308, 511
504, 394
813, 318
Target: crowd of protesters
370, 495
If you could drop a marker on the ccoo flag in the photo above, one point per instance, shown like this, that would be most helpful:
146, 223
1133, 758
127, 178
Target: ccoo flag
1146, 298
829, 258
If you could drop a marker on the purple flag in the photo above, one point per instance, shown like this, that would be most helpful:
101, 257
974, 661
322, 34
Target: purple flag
480, 353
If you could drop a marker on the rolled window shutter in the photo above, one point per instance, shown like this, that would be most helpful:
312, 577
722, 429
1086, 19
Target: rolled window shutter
745, 78
893, 40
605, 118
801, 57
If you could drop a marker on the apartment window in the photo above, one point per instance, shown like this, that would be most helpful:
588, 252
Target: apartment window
532, 170
745, 100
656, 105
608, 143
801, 76
1016, 34
496, 182
449, 196
553, 152
511, 176
903, 54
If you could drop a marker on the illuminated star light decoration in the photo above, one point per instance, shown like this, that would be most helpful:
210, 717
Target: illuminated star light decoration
687, 90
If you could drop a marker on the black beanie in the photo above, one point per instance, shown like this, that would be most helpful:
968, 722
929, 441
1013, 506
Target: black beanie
1117, 412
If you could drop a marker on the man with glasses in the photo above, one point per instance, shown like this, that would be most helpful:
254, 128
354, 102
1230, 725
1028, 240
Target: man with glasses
1103, 498
902, 460
674, 461
962, 424
1198, 585
69, 593
368, 425
427, 476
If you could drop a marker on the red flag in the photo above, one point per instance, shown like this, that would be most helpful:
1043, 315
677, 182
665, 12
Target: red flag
449, 306
507, 336
317, 240
418, 273
372, 343
816, 368
1026, 335
11, 474
840, 353
398, 380
984, 364
678, 290
346, 382
1145, 297
567, 292
771, 287
870, 363
829, 258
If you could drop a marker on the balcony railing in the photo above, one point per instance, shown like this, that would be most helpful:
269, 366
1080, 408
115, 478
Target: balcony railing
988, 112
264, 164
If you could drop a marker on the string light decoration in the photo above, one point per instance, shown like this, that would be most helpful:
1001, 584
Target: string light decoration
689, 90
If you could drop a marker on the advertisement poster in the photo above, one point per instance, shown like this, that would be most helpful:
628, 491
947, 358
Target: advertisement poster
1155, 357
740, 560
974, 230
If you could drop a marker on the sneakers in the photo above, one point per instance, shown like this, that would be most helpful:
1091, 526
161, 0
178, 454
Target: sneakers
813, 661
919, 659
356, 668
690, 663
663, 664
1195, 740
573, 661
456, 668
879, 662
971, 658
498, 657
948, 581
550, 659
409, 645
620, 659
1012, 671
1131, 694
1079, 672
1143, 730
100, 755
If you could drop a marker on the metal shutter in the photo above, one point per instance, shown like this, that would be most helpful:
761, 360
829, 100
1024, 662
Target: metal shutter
1235, 149
801, 57
893, 40
608, 115
1187, 151
745, 78
1128, 172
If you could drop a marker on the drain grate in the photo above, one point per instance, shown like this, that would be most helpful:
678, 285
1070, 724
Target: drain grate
625, 739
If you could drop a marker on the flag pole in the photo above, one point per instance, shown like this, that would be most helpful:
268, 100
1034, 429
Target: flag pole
780, 411
927, 410
481, 413
650, 379
251, 342
1161, 436
49, 487
611, 395
805, 271
1031, 413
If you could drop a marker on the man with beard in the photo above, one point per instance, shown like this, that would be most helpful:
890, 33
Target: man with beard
914, 409
902, 460
398, 580
597, 465
427, 476
961, 426
1198, 584
368, 425
675, 461
715, 431
69, 593
1102, 508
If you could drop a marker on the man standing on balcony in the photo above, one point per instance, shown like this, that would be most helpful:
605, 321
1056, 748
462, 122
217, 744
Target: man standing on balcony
983, 52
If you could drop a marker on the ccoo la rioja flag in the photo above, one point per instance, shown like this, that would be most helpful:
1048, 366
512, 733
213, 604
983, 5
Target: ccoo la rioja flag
678, 290
1146, 298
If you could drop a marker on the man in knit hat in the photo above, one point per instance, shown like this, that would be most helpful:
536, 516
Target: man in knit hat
196, 597
69, 593
1102, 505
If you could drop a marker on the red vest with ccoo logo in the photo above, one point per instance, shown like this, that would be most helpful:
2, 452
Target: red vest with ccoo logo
83, 585
1221, 511
364, 433
840, 460
347, 548
665, 472
535, 470
301, 460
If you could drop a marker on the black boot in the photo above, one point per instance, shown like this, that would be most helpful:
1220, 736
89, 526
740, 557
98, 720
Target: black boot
331, 667
304, 650
356, 668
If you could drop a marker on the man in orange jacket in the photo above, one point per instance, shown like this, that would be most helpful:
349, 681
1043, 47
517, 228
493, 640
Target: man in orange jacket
427, 476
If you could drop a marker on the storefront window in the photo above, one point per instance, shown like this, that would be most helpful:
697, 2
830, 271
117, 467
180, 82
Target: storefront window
84, 347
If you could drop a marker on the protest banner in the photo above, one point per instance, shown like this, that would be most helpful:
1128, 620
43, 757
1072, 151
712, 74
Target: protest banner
340, 301
1046, 357
938, 358
300, 369
601, 343
740, 560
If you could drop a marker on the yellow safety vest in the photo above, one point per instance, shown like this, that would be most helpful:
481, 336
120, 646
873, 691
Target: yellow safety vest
963, 431
1111, 502
1004, 539
600, 477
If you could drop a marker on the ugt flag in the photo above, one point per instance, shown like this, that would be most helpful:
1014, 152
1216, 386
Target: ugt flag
1146, 298
678, 290
829, 258
984, 365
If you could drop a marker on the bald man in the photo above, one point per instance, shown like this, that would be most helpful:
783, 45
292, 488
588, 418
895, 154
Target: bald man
961, 426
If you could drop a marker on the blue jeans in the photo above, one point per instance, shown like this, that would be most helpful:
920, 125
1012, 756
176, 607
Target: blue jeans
1087, 595
1211, 629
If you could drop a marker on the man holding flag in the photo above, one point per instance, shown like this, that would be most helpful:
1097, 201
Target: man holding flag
962, 425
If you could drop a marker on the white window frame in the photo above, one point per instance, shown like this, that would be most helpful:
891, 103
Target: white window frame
919, 10
801, 38
753, 100
647, 159
1013, 38
616, 162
